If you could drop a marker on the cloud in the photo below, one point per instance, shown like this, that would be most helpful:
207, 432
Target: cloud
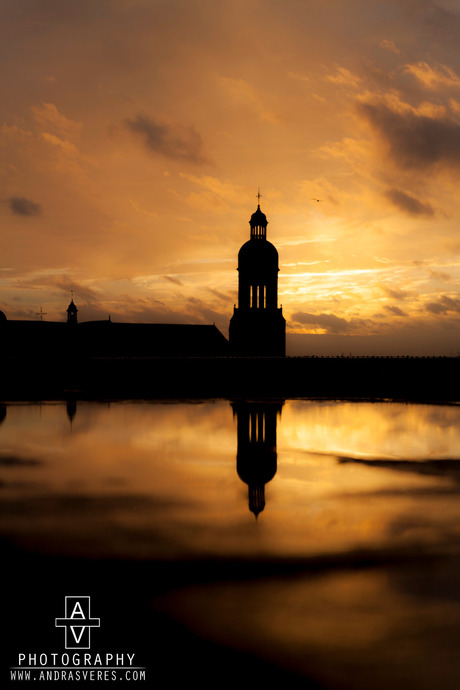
244, 93
174, 141
433, 78
444, 305
440, 275
65, 283
414, 139
408, 203
15, 461
395, 294
23, 207
204, 313
389, 45
80, 292
176, 281
47, 115
329, 322
344, 77
191, 310
65, 146
226, 298
213, 194
396, 311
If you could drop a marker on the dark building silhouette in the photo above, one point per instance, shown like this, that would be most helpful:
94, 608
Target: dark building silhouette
108, 339
256, 458
257, 326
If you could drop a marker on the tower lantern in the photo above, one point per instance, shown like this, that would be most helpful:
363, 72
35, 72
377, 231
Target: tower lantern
258, 223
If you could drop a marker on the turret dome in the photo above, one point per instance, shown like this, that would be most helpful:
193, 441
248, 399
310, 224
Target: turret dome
258, 218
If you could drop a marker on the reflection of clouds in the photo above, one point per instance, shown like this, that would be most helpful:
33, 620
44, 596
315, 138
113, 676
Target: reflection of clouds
434, 468
16, 461
83, 526
350, 627
371, 430
158, 479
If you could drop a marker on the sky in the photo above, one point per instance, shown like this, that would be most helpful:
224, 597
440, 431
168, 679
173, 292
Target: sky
135, 134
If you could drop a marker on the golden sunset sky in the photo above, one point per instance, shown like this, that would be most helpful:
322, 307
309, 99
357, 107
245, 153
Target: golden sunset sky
134, 135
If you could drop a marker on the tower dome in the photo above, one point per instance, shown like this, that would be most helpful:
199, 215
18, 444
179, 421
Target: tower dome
2, 317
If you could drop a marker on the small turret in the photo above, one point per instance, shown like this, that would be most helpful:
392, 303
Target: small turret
72, 313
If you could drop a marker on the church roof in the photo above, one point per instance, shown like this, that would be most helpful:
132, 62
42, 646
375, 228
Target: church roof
108, 339
152, 339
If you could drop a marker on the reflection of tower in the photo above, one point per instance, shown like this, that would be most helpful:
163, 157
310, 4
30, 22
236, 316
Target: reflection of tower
256, 454
71, 409
257, 326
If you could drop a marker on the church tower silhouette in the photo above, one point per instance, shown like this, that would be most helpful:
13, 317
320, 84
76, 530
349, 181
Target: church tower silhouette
257, 326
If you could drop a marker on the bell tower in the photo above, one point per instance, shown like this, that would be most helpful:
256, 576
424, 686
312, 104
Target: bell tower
257, 326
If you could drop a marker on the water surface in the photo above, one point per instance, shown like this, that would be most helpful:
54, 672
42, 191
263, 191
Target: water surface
361, 500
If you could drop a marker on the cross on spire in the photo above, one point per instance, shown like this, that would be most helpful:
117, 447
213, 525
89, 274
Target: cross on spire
259, 196
41, 314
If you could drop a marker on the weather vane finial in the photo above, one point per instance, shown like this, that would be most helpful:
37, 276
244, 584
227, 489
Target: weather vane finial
259, 196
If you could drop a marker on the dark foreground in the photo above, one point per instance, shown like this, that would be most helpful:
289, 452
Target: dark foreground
161, 612
403, 378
